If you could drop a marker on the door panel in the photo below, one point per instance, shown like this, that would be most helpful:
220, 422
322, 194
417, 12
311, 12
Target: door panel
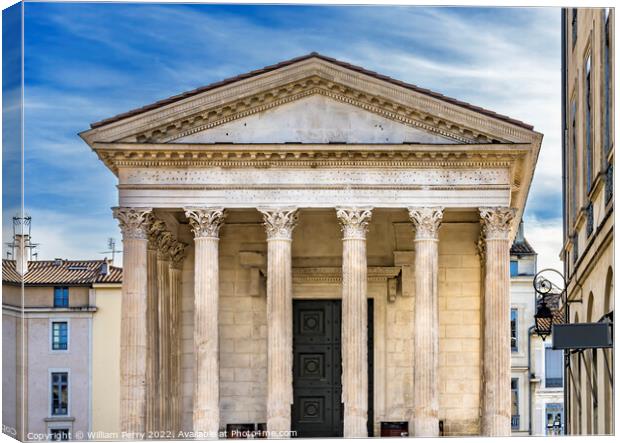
317, 368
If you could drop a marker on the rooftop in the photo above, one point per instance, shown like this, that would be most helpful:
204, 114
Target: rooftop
282, 64
62, 272
522, 247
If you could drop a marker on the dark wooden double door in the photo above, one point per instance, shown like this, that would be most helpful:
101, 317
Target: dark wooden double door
317, 369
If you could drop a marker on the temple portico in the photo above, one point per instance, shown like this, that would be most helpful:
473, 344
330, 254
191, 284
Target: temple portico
319, 250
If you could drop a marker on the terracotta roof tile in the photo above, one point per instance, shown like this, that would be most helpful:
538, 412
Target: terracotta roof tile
67, 272
270, 68
521, 248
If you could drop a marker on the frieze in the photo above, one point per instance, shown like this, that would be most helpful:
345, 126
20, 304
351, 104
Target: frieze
269, 178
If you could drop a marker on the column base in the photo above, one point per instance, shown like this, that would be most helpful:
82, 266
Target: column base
426, 427
205, 425
496, 425
355, 427
278, 427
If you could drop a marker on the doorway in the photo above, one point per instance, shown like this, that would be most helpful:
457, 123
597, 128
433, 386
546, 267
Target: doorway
317, 368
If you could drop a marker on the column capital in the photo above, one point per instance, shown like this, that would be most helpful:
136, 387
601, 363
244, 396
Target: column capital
426, 221
165, 240
155, 230
177, 254
354, 221
496, 222
279, 222
134, 222
206, 222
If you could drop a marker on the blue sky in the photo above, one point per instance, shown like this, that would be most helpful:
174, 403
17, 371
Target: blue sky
86, 62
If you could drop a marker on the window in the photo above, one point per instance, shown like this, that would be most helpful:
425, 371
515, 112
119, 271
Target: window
61, 297
587, 106
59, 434
513, 329
554, 367
60, 335
606, 81
514, 395
573, 142
554, 414
60, 393
514, 268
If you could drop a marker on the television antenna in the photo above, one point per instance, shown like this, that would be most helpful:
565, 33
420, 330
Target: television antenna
22, 226
111, 248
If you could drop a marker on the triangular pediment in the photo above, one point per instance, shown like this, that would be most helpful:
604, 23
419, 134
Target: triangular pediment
311, 99
314, 119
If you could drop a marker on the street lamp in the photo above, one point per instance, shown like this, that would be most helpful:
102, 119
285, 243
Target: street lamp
546, 293
543, 319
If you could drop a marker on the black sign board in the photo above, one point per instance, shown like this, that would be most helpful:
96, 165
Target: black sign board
582, 336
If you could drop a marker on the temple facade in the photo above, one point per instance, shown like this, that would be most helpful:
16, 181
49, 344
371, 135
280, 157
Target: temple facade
315, 249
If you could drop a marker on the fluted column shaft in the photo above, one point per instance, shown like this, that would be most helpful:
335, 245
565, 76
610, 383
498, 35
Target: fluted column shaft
175, 345
134, 225
426, 322
152, 362
176, 260
354, 223
279, 224
206, 223
496, 224
163, 290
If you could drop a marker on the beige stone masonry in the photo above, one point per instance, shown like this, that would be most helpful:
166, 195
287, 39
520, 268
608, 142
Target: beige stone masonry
426, 323
279, 224
165, 240
206, 223
354, 222
134, 226
177, 252
496, 225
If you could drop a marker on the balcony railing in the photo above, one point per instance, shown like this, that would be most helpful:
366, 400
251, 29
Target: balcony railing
514, 423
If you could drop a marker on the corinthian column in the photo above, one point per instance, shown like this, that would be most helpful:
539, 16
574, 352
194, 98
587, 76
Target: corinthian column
134, 224
496, 224
152, 328
206, 223
354, 223
426, 322
279, 223
163, 289
177, 253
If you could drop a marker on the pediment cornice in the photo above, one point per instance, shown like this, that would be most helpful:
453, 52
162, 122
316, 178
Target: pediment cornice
313, 76
187, 155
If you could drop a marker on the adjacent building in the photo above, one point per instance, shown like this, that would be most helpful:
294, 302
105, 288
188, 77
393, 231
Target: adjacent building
317, 249
537, 381
588, 159
61, 341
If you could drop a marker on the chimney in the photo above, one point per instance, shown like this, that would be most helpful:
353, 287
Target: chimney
105, 267
21, 253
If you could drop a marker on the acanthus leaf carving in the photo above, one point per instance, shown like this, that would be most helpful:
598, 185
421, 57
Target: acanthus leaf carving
426, 221
134, 222
177, 253
279, 222
354, 221
496, 222
205, 222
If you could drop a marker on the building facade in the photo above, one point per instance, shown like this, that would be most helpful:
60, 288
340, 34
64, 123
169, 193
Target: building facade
537, 380
588, 157
53, 339
326, 248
